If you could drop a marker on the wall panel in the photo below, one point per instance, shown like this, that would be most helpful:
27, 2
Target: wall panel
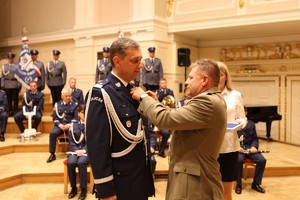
260, 91
293, 110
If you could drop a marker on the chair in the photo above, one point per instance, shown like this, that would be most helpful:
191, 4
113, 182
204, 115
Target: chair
62, 139
247, 162
66, 180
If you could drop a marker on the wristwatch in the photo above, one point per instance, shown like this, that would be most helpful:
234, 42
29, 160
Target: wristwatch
143, 96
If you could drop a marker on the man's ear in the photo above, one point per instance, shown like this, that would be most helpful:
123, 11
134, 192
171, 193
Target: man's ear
116, 60
205, 81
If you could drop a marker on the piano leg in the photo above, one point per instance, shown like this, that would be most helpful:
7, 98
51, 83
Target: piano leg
268, 126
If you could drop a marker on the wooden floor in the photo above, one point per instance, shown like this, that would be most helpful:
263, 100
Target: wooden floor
24, 173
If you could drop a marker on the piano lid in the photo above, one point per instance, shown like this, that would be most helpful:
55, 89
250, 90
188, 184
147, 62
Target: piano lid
259, 105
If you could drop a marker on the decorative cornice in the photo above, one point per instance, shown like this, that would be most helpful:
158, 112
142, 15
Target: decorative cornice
261, 52
90, 32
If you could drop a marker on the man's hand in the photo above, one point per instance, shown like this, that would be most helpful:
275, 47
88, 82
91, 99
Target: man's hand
61, 126
152, 150
253, 150
136, 93
80, 152
152, 94
67, 127
241, 150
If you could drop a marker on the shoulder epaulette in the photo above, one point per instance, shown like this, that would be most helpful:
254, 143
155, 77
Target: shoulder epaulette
101, 83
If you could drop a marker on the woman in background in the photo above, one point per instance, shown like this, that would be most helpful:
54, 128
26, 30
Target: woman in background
228, 158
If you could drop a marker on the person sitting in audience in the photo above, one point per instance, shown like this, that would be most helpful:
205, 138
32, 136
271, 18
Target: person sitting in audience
64, 112
162, 92
184, 100
152, 143
249, 148
3, 115
31, 98
77, 156
77, 94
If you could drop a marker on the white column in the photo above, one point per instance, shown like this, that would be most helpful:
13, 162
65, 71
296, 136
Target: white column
80, 13
92, 18
86, 13
142, 9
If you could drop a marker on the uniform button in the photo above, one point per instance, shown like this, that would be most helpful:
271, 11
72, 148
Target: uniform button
118, 173
184, 169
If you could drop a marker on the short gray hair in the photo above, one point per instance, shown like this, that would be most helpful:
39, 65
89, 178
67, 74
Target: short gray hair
65, 90
210, 67
119, 47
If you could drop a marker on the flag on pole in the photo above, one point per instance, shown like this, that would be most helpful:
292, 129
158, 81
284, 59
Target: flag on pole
26, 71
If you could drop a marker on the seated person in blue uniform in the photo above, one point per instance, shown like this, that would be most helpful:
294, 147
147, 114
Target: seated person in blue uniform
3, 115
64, 112
31, 98
184, 100
77, 156
249, 142
162, 92
152, 143
77, 94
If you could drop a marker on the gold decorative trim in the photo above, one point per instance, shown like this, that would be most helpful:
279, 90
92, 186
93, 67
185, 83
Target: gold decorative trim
274, 52
170, 8
250, 69
241, 4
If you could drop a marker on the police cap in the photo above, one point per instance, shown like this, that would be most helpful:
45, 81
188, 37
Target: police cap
34, 52
10, 55
56, 52
151, 49
105, 49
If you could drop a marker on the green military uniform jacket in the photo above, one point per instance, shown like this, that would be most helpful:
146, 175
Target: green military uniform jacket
199, 130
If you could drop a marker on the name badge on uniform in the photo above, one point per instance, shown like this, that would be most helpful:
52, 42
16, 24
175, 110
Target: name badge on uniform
128, 123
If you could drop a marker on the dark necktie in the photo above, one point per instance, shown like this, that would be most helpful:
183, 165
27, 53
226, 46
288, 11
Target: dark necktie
129, 86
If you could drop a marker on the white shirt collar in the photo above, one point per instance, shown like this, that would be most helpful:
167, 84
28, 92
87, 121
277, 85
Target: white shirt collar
124, 82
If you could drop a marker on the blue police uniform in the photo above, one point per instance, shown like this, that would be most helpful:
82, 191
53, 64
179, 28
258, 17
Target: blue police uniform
56, 76
64, 114
77, 96
250, 140
128, 176
41, 68
11, 86
37, 99
76, 143
161, 94
180, 103
152, 142
152, 72
103, 68
41, 78
3, 115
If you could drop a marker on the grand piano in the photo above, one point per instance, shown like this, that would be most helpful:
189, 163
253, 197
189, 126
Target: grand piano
259, 113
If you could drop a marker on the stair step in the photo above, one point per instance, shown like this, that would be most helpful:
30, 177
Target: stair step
45, 126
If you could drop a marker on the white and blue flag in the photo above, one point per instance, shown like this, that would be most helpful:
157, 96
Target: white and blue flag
26, 71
